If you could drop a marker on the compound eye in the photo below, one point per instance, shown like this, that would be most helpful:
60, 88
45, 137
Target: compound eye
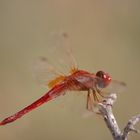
100, 74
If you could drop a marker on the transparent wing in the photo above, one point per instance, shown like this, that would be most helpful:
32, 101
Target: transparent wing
44, 72
61, 52
115, 87
73, 101
59, 60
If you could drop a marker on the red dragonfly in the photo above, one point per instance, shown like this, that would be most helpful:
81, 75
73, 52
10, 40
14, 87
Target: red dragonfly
76, 80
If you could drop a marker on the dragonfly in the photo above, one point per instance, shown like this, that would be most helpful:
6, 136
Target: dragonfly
76, 80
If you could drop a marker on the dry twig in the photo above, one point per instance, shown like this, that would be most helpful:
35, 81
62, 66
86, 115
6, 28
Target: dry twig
105, 109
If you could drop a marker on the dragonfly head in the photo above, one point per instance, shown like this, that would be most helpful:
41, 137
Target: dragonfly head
105, 79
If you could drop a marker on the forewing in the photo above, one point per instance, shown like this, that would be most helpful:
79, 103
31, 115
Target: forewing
59, 60
59, 49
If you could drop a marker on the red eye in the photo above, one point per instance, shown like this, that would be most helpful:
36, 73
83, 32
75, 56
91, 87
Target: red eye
109, 78
106, 78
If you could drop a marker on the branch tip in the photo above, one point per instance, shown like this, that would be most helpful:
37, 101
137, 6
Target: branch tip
105, 108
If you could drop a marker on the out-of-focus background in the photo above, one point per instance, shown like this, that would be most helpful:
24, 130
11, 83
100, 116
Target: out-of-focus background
104, 36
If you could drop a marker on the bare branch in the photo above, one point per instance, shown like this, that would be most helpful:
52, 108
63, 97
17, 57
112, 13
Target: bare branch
105, 109
130, 126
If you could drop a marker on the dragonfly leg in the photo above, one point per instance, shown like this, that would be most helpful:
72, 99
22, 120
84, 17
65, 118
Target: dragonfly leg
95, 96
96, 99
89, 105
91, 97
100, 92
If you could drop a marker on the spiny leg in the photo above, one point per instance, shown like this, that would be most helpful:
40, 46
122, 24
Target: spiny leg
100, 93
95, 96
96, 100
89, 105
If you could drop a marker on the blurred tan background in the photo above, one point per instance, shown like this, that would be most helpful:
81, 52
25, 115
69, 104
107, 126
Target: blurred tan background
104, 36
